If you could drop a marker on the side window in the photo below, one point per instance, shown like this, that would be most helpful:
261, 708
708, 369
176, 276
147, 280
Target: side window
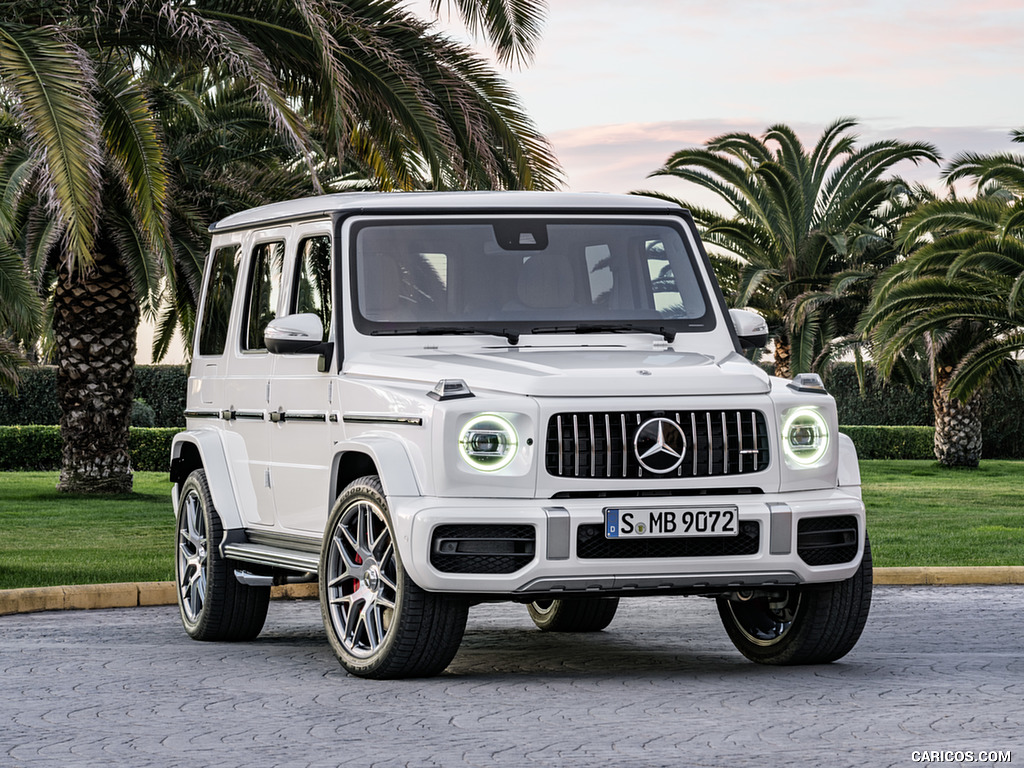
220, 291
313, 280
264, 289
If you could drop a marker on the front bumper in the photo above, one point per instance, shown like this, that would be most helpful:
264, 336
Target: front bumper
779, 556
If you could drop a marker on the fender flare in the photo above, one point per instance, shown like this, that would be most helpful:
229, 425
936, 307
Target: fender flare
849, 468
213, 455
397, 476
390, 456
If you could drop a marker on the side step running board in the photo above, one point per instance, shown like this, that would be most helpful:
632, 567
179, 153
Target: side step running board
264, 554
253, 579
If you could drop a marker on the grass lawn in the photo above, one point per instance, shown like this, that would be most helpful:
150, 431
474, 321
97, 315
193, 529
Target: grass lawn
50, 539
918, 514
921, 514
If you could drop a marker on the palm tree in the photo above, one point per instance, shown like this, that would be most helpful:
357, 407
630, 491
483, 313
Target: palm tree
796, 220
19, 311
223, 157
959, 293
837, 308
19, 305
361, 81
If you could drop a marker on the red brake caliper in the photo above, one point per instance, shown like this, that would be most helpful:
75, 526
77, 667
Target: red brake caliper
355, 582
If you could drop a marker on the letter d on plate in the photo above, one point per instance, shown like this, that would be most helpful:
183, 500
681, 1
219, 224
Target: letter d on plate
611, 524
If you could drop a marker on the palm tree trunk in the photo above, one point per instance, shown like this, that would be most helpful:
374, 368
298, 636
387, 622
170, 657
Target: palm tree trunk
783, 358
957, 425
96, 317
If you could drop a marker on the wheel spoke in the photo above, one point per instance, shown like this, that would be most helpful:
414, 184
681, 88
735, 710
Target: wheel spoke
348, 538
373, 633
352, 619
375, 545
195, 528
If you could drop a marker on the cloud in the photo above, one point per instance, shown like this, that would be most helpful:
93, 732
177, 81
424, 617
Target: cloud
619, 157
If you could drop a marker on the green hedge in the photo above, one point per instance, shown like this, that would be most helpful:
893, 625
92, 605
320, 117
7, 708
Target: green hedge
1002, 411
162, 387
36, 401
38, 448
880, 404
875, 442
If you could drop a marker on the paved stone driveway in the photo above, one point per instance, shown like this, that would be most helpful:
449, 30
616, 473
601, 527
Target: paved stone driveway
938, 668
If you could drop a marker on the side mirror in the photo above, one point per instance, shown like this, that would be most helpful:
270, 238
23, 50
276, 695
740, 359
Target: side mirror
297, 335
751, 328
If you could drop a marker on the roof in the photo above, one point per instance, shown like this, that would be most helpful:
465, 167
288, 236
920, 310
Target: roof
465, 202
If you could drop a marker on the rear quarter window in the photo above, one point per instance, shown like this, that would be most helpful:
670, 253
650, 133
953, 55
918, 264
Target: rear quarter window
220, 292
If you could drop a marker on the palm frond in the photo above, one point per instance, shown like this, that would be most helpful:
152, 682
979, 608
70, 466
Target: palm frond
51, 81
135, 147
513, 27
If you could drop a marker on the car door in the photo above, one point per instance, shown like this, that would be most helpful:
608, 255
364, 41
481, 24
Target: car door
248, 385
303, 409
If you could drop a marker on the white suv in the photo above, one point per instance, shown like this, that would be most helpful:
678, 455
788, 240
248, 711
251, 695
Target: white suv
428, 400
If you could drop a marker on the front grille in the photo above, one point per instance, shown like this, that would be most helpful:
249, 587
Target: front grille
592, 544
602, 445
482, 548
827, 540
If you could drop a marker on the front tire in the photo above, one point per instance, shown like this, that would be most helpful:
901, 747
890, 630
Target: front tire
583, 614
812, 624
212, 603
379, 623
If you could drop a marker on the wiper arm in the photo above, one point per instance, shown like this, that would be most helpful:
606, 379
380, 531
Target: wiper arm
666, 333
448, 330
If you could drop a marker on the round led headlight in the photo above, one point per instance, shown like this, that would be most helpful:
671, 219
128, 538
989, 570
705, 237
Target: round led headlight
805, 436
488, 442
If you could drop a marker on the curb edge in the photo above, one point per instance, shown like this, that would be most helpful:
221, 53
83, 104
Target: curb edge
135, 594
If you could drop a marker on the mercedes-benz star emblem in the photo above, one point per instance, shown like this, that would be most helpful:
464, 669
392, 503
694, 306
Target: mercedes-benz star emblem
659, 445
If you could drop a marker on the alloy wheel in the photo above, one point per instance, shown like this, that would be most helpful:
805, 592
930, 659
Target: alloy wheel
362, 579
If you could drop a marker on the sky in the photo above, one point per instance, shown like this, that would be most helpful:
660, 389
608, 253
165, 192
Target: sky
619, 86
616, 92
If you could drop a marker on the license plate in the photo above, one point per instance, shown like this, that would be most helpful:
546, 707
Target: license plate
676, 522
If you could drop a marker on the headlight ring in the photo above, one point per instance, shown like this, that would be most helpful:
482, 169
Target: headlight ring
805, 436
488, 442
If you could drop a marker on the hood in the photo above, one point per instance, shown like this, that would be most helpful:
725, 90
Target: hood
571, 372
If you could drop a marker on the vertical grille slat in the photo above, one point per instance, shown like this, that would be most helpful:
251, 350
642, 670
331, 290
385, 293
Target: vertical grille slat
739, 437
593, 448
561, 464
625, 447
693, 432
576, 442
711, 448
600, 445
725, 444
608, 445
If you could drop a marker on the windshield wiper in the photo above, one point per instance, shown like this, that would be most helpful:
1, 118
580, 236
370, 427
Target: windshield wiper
448, 330
666, 333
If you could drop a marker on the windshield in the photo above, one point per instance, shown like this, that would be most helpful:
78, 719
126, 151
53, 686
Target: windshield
517, 276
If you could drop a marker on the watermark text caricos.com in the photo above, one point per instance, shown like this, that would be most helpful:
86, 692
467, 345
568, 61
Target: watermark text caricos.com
960, 756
